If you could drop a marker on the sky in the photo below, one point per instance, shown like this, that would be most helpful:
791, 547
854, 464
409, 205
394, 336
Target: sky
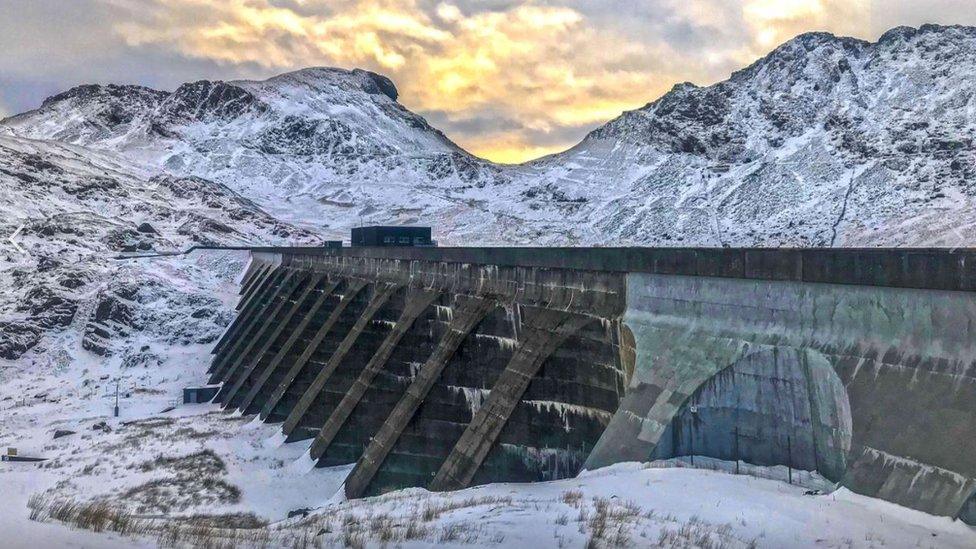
508, 80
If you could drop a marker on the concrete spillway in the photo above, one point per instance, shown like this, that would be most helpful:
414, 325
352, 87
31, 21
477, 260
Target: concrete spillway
447, 367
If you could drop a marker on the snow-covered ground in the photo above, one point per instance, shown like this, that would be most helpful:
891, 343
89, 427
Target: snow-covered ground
643, 505
152, 462
625, 505
18, 483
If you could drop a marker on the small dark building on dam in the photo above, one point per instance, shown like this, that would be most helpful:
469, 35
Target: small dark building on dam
450, 367
378, 235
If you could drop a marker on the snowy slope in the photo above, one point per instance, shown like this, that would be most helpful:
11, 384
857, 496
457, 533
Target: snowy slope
826, 141
75, 323
627, 505
318, 147
634, 505
76, 209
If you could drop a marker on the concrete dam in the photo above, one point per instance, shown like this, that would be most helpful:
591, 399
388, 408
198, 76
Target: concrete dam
450, 367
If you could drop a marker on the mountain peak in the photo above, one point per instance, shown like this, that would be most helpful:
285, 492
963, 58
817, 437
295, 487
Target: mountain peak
203, 99
904, 34
897, 33
89, 91
347, 80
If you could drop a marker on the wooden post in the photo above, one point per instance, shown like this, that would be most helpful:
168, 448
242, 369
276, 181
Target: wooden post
737, 449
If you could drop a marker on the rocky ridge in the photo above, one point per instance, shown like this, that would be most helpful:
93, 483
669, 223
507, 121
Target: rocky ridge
74, 210
825, 141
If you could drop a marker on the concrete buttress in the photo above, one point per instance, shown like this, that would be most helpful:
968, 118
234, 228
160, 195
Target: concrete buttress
417, 302
353, 287
540, 336
270, 319
248, 322
466, 316
248, 283
244, 307
297, 414
285, 349
232, 399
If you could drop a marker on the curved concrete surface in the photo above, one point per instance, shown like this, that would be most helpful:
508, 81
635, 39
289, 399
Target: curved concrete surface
905, 358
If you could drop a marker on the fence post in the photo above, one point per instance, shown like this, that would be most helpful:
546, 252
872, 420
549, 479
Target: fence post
737, 449
789, 458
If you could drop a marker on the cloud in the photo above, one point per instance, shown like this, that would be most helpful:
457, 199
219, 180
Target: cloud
507, 79
542, 65
51, 45
376, 32
449, 13
885, 14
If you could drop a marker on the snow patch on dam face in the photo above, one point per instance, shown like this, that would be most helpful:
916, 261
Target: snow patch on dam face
901, 382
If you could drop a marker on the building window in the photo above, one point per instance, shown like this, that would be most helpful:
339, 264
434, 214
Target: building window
404, 240
388, 240
418, 240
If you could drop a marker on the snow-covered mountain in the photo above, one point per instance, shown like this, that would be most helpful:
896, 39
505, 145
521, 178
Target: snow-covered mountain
76, 209
825, 141
318, 147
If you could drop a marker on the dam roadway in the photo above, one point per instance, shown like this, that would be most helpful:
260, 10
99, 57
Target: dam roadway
449, 367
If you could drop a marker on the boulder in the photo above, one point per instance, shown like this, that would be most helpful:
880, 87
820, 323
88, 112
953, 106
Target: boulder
146, 228
16, 338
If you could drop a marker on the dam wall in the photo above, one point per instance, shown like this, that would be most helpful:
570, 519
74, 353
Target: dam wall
434, 374
449, 367
885, 378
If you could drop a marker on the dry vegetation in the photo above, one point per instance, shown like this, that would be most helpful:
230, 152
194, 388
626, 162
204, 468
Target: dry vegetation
190, 481
167, 492
179, 493
208, 531
163, 485
404, 517
204, 462
97, 517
